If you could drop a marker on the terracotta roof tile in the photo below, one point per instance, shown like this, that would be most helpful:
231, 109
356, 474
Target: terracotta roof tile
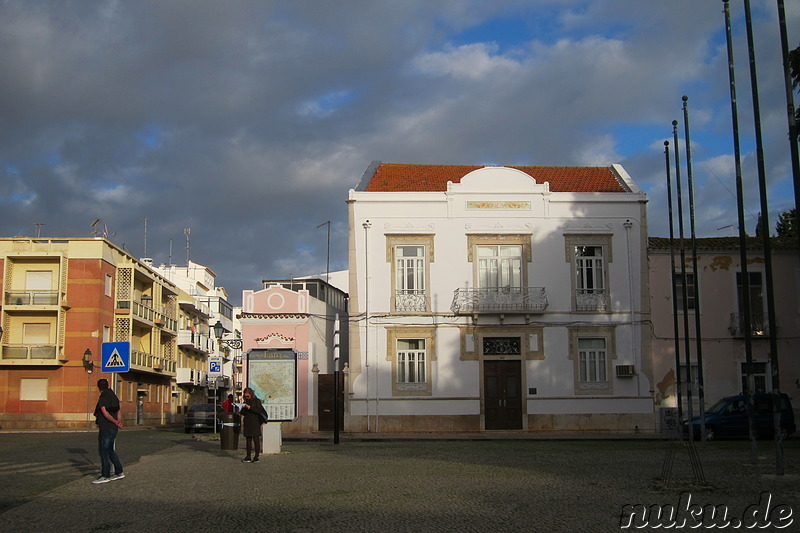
391, 177
723, 243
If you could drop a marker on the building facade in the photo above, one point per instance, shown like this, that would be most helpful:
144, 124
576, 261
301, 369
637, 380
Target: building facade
715, 290
203, 305
498, 298
63, 298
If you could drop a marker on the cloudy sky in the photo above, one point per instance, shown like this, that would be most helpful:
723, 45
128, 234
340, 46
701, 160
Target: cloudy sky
249, 121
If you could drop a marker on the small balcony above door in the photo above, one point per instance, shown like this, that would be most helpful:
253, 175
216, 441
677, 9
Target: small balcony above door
499, 300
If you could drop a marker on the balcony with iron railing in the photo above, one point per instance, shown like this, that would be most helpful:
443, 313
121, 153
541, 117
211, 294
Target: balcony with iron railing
28, 298
29, 354
591, 300
759, 325
496, 300
152, 363
409, 301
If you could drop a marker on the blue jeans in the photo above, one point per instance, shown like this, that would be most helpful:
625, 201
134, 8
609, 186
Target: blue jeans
105, 442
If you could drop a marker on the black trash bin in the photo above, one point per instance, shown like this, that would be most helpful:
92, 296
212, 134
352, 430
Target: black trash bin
229, 435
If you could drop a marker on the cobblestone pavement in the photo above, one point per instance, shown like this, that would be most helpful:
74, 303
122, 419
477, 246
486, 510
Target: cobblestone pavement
416, 485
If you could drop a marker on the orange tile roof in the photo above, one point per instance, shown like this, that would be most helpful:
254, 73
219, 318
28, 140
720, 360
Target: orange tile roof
391, 177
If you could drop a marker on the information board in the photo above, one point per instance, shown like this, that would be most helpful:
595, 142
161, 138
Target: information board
272, 374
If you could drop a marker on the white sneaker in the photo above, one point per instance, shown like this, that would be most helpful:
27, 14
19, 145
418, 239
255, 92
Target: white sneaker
117, 476
101, 479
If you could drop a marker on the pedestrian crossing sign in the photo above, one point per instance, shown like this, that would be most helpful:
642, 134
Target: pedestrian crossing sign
116, 357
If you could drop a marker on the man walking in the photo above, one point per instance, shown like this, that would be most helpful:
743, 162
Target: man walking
109, 421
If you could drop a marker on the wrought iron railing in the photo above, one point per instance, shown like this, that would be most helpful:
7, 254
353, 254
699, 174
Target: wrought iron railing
591, 300
499, 300
410, 300
759, 325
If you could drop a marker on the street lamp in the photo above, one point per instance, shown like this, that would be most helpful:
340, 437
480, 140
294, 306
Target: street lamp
88, 364
219, 330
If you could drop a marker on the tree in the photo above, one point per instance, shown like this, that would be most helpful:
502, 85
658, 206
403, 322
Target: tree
794, 73
759, 225
787, 224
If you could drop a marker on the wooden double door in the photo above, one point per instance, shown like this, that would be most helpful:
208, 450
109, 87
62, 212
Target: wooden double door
502, 394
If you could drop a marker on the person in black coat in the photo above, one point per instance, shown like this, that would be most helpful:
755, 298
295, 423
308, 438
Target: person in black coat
253, 416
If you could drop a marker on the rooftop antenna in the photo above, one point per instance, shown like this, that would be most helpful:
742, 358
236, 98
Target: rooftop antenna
187, 232
145, 236
94, 231
39, 228
169, 261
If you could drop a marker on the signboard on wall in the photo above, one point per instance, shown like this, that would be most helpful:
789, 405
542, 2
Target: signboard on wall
272, 374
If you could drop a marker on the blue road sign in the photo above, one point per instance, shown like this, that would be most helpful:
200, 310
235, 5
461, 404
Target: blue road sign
116, 357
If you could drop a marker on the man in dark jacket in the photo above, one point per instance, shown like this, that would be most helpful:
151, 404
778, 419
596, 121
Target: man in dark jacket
109, 420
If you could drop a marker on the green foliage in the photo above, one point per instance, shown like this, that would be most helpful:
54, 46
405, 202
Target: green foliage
787, 224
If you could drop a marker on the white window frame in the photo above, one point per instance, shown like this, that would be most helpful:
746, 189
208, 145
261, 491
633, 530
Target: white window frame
692, 292
411, 363
592, 361
595, 298
108, 285
497, 269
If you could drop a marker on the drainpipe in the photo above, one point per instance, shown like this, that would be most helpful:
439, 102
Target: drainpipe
628, 224
366, 225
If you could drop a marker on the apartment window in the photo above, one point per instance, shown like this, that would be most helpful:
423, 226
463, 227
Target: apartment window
499, 266
411, 361
589, 256
410, 278
39, 280
108, 285
33, 333
589, 278
106, 334
756, 294
592, 360
759, 377
410, 257
33, 389
691, 290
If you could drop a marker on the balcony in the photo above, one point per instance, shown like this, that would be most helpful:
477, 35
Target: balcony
192, 339
152, 363
407, 301
149, 314
499, 300
759, 325
591, 300
187, 376
26, 354
28, 298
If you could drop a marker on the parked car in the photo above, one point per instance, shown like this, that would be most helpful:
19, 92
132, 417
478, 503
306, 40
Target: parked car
728, 418
201, 416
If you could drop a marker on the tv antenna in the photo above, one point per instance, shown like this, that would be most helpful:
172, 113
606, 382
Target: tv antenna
187, 232
39, 228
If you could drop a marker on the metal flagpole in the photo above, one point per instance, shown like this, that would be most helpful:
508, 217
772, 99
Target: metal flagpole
745, 281
684, 292
675, 326
696, 285
762, 189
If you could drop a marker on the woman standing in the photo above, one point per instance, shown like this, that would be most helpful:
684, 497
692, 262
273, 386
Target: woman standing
253, 415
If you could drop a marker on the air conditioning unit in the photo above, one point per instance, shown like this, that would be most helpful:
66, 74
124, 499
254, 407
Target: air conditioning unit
626, 371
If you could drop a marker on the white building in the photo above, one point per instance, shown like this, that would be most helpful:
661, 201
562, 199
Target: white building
498, 298
212, 306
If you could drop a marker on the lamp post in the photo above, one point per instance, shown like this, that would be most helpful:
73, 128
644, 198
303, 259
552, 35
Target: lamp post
88, 365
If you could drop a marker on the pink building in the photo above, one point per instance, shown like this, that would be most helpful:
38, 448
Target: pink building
289, 350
